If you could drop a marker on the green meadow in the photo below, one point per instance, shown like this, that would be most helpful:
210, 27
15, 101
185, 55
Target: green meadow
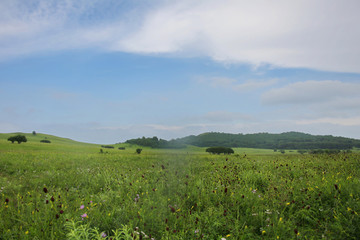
69, 190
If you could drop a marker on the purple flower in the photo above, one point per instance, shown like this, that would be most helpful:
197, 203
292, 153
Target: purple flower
103, 235
82, 207
84, 216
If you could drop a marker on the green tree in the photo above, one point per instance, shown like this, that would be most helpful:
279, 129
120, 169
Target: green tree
218, 150
17, 138
138, 151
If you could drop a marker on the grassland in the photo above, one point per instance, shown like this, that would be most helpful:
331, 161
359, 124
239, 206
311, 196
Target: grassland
68, 190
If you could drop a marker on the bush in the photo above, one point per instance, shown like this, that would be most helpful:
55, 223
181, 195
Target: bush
218, 150
138, 151
45, 141
107, 146
121, 148
17, 138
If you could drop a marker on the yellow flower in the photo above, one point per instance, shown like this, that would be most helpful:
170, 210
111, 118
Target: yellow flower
287, 204
228, 235
27, 232
280, 219
263, 232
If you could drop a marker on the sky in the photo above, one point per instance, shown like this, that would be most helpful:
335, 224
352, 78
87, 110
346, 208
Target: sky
104, 71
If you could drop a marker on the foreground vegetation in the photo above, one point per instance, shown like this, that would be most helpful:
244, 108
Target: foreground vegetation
69, 190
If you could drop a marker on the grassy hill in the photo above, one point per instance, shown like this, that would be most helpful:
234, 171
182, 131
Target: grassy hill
57, 144
66, 145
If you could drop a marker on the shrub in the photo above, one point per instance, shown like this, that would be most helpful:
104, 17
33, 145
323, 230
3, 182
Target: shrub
138, 151
17, 138
121, 148
45, 141
218, 150
107, 146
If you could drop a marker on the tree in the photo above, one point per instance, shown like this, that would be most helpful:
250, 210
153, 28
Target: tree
17, 138
218, 150
138, 151
34, 133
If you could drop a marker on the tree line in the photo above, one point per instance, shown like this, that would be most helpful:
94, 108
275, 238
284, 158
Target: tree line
289, 140
155, 142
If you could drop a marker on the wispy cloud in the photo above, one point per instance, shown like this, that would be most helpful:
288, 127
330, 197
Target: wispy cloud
236, 85
321, 35
355, 121
312, 92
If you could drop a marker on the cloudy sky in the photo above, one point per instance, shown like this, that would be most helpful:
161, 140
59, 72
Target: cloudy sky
104, 71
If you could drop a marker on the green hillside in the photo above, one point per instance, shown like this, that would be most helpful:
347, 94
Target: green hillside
57, 144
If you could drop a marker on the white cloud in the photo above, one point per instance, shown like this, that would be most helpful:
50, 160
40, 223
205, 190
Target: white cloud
237, 85
226, 117
321, 34
355, 121
314, 92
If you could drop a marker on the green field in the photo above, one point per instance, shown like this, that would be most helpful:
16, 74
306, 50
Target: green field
69, 190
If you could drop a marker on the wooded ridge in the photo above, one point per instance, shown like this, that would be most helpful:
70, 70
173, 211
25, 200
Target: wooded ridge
288, 140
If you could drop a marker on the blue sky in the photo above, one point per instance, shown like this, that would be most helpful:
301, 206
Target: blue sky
107, 71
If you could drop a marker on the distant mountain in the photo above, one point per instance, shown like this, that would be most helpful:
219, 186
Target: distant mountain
288, 140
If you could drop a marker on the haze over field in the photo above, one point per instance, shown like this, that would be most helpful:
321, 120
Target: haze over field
107, 71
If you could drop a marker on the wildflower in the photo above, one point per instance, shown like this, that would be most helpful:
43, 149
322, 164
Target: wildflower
287, 204
7, 200
61, 211
82, 207
45, 190
52, 198
263, 232
103, 235
84, 216
27, 232
228, 235
280, 219
196, 231
172, 209
268, 211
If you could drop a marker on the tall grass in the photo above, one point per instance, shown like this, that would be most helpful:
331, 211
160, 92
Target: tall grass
55, 194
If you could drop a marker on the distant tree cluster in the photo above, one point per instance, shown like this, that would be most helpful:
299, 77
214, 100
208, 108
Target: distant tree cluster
219, 150
328, 151
154, 142
121, 148
285, 141
17, 138
107, 146
45, 141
